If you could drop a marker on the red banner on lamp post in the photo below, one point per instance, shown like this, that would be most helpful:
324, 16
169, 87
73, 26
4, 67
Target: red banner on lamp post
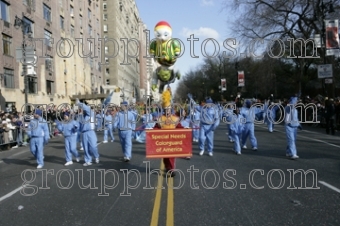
168, 143
240, 78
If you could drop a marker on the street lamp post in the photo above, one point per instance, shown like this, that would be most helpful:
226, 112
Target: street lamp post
26, 28
325, 8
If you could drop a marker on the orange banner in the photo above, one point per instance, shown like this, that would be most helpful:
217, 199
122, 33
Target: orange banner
168, 143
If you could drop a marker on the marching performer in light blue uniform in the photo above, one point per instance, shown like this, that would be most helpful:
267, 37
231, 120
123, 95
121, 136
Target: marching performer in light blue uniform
270, 115
38, 132
89, 137
69, 128
236, 125
209, 121
291, 126
124, 121
228, 113
148, 123
249, 113
108, 123
195, 120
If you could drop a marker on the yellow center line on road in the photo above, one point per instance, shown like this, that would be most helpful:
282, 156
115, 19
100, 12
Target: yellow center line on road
170, 203
157, 203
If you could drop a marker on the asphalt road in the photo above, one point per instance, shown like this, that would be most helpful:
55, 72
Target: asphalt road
255, 188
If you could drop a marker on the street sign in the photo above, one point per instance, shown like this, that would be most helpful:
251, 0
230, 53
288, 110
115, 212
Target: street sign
328, 81
325, 71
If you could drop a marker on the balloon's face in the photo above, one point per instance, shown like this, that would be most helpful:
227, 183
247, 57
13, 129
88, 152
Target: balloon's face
164, 74
163, 33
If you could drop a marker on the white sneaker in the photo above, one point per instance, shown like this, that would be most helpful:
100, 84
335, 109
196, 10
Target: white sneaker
87, 164
82, 149
210, 154
39, 166
105, 141
294, 157
77, 159
244, 147
97, 160
16, 146
231, 141
254, 148
68, 163
238, 153
201, 152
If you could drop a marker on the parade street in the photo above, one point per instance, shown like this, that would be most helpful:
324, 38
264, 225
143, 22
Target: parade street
261, 187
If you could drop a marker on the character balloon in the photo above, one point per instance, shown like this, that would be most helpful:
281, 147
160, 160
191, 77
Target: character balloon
165, 50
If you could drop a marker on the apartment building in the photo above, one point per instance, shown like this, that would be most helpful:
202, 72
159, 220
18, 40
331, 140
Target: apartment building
125, 69
64, 69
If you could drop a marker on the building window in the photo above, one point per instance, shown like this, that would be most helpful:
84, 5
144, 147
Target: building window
89, 14
106, 49
81, 21
47, 13
4, 11
72, 31
81, 38
6, 40
28, 3
49, 64
90, 30
105, 27
62, 23
61, 3
104, 6
48, 36
107, 81
8, 78
71, 11
49, 87
107, 71
31, 24
32, 84
104, 16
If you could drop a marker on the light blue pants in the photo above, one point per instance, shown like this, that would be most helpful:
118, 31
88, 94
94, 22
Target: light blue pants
291, 138
195, 132
125, 141
90, 145
249, 131
230, 136
206, 134
37, 149
237, 140
108, 132
71, 148
79, 139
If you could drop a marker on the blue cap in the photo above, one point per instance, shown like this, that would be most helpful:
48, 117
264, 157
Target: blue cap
248, 103
124, 102
67, 113
38, 112
209, 101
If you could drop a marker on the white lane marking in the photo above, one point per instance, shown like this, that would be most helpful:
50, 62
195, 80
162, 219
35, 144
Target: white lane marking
330, 186
12, 193
321, 141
